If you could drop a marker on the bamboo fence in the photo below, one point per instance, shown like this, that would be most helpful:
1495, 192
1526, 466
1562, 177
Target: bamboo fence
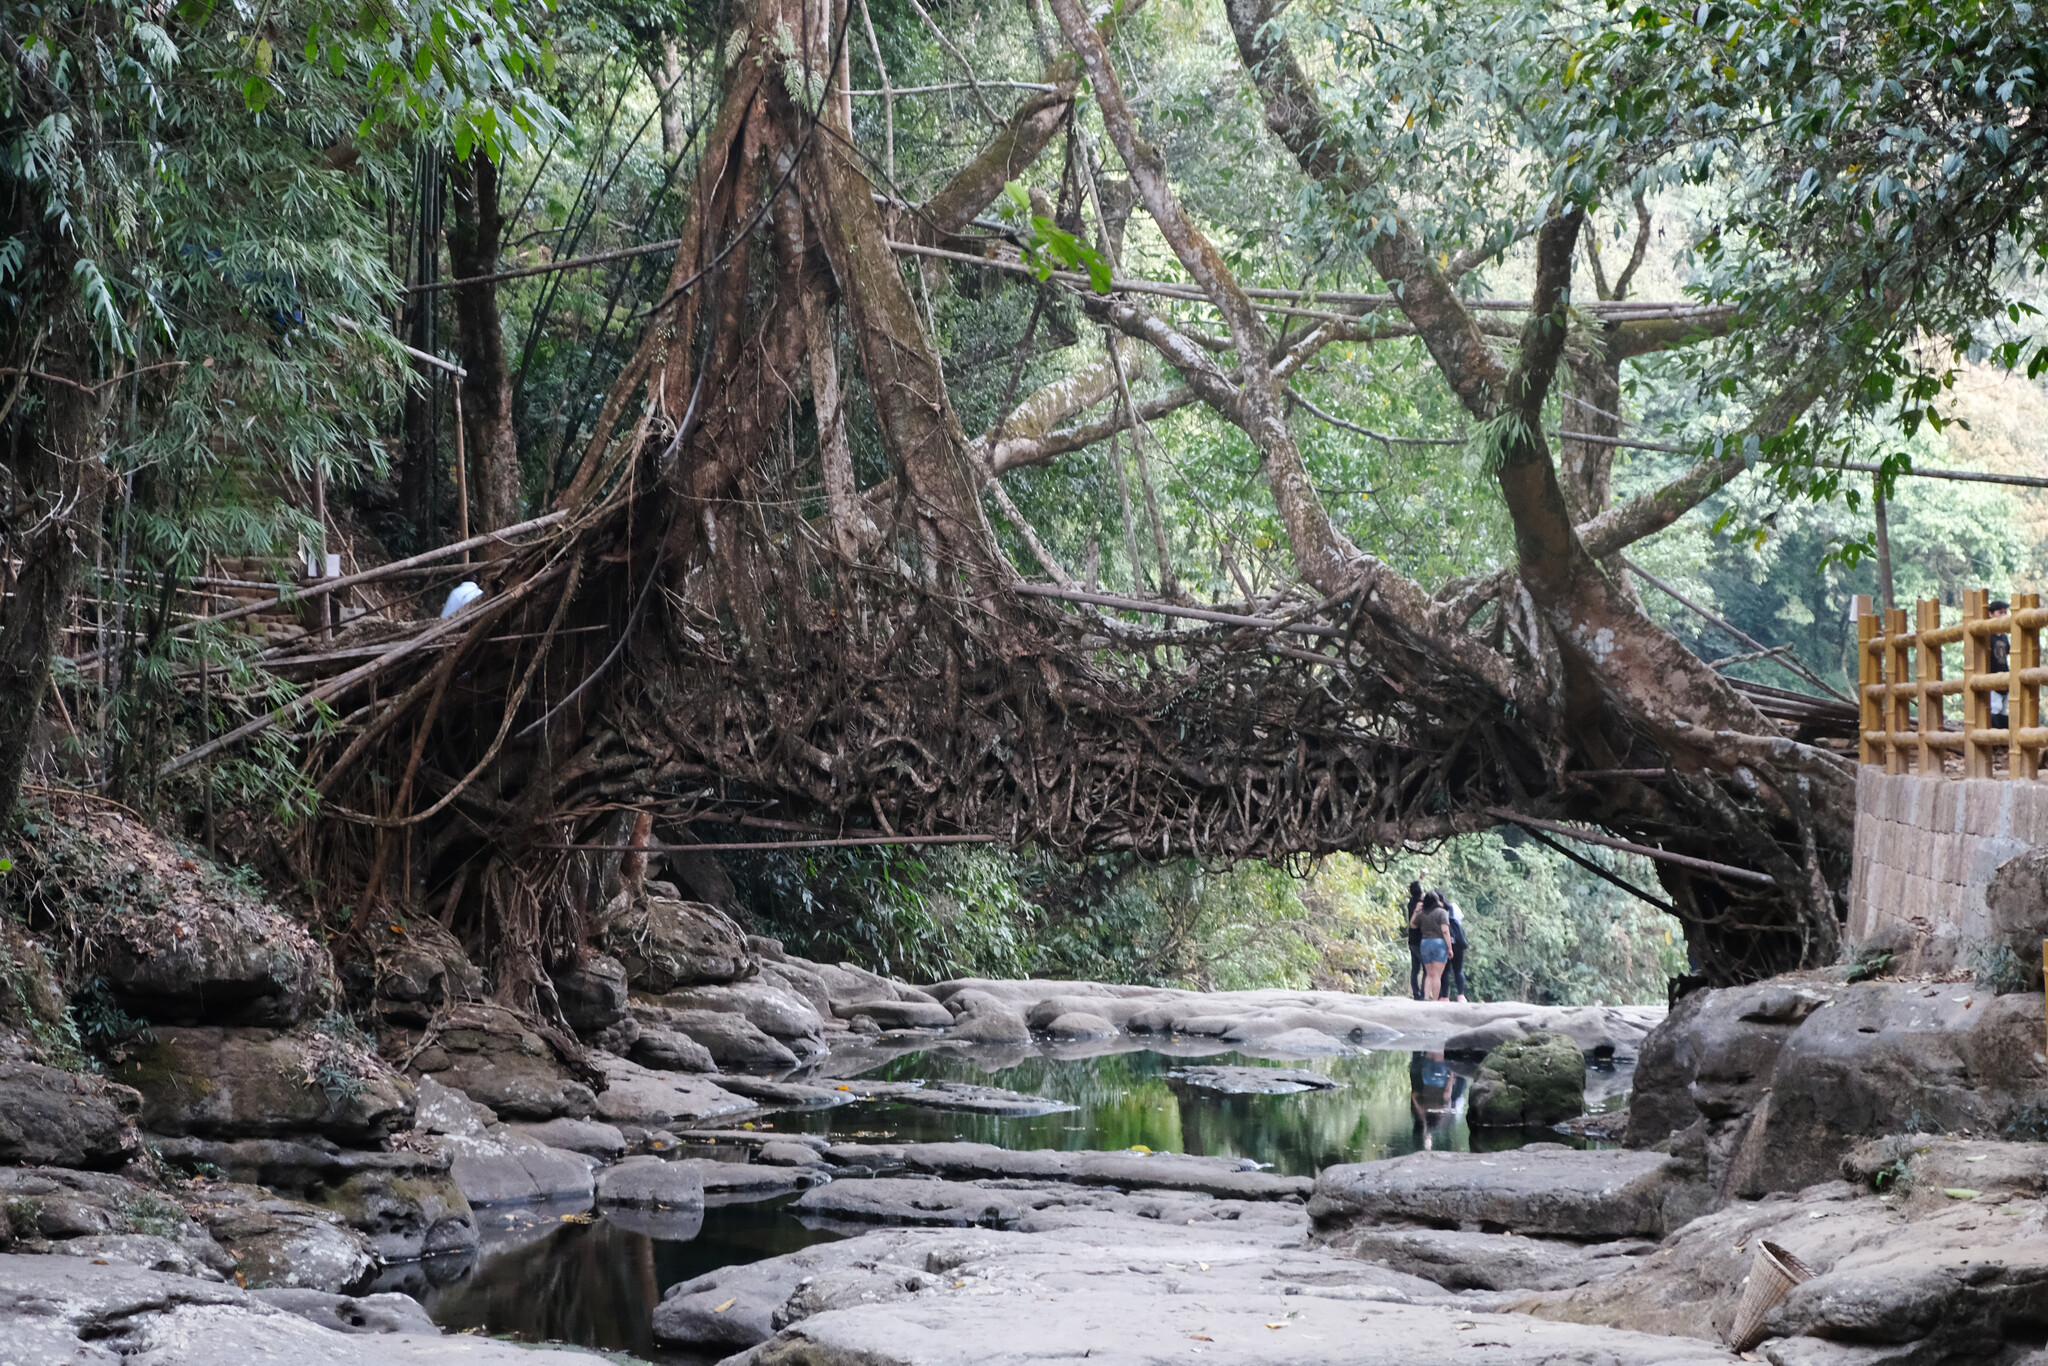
1904, 687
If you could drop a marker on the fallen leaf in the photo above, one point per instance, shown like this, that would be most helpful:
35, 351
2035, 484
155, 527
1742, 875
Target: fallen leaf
1960, 1193
1276, 1325
1978, 1158
100, 1261
1141, 1149
1203, 1265
1198, 1337
727, 1305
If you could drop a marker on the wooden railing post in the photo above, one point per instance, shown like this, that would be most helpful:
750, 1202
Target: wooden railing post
1976, 705
1870, 717
2023, 701
1898, 674
1927, 705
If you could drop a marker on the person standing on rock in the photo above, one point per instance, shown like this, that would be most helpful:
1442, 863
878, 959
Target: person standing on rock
1454, 970
1432, 924
1414, 941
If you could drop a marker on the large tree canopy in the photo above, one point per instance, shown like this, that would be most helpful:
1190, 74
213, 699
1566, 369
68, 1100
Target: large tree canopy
1201, 441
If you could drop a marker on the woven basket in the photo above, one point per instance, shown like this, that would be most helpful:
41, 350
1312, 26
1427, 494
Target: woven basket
1771, 1279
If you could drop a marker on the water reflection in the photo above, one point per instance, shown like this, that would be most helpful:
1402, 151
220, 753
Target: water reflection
596, 1283
1123, 1099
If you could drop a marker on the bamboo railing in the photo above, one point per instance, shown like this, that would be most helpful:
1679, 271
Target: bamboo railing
1903, 688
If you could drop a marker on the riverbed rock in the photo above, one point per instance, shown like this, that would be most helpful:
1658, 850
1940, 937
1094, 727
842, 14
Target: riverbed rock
74, 1119
211, 1080
787, 1094
496, 1057
1459, 1260
1537, 1079
281, 1242
756, 1180
906, 1201
54, 1310
494, 1164
651, 1181
414, 971
1253, 1081
97, 1214
1156, 1293
383, 1313
730, 1038
592, 992
178, 942
1079, 1024
1768, 1087
666, 943
1223, 1177
766, 1006
1941, 1277
895, 1014
669, 1050
1543, 1189
592, 1138
959, 1097
403, 1199
636, 1095
2017, 904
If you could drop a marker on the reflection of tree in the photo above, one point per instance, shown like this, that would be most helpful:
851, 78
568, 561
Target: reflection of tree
590, 1284
1126, 1098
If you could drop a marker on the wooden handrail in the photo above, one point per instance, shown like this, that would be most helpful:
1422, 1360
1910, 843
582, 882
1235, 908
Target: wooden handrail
1901, 687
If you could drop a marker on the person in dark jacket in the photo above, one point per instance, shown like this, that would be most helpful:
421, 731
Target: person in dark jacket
1454, 971
1999, 661
1414, 941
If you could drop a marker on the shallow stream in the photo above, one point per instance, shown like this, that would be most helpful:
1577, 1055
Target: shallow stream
562, 1275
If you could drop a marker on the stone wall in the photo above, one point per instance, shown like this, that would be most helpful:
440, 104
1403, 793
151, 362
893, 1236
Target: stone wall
1925, 852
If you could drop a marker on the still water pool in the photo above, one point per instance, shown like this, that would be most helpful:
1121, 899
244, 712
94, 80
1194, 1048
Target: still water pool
541, 1278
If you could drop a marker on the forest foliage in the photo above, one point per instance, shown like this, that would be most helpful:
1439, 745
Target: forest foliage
210, 215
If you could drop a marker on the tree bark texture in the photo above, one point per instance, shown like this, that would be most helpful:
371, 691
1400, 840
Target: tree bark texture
865, 660
474, 241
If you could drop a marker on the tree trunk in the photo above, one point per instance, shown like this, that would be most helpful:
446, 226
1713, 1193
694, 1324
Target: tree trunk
58, 485
493, 443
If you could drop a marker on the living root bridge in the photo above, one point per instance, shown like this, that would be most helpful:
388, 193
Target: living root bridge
867, 661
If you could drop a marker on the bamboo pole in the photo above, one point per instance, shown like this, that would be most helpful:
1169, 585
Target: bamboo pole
1927, 705
1976, 704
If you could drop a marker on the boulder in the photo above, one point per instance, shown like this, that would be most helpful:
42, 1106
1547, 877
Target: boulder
54, 1310
405, 1214
1543, 1189
592, 992
502, 1167
70, 1119
281, 1242
652, 1181
187, 945
590, 1137
669, 1050
385, 1313
901, 1201
733, 1307
994, 1022
414, 971
1486, 1261
94, 1214
404, 1199
730, 1038
638, 1096
495, 1057
784, 1154
217, 1081
755, 1180
491, 1163
1770, 1086
888, 1013
2017, 903
1537, 1079
1079, 1024
1480, 1040
1226, 1178
666, 944
774, 1011
796, 978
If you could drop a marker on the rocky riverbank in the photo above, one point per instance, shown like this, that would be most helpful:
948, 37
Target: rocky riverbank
240, 1143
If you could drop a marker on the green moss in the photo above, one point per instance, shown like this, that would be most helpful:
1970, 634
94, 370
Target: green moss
1538, 1079
24, 1214
149, 1214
